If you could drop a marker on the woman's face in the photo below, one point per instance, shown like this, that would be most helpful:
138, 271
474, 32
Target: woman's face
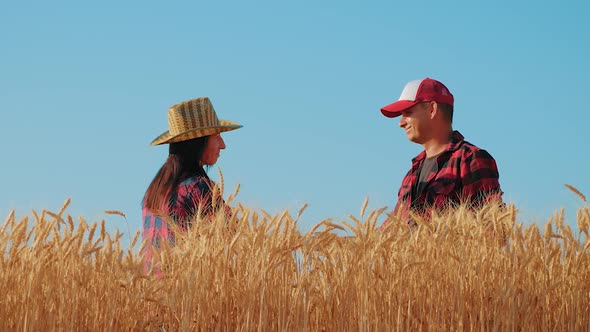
211, 152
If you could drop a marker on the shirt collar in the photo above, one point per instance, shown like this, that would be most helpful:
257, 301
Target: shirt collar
456, 141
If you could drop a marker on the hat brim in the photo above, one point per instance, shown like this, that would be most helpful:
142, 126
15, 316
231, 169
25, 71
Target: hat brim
396, 109
167, 138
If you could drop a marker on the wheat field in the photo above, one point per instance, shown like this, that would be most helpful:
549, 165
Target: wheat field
460, 271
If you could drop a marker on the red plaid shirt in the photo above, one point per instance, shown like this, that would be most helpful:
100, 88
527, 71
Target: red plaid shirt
462, 173
191, 196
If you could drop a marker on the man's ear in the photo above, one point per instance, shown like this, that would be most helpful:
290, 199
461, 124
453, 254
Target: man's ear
433, 109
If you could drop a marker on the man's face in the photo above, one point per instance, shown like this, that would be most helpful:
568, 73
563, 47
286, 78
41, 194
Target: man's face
415, 121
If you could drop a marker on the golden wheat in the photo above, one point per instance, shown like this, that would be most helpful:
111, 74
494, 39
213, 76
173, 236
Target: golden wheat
459, 271
577, 192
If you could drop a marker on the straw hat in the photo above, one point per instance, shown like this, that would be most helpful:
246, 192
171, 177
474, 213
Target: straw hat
192, 119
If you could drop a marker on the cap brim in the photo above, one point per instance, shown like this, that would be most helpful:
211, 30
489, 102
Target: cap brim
396, 109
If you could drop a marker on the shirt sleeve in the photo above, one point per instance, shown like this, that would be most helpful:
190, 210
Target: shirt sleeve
198, 198
155, 232
480, 178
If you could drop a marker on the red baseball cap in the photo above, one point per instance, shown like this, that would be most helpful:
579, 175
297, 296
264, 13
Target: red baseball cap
419, 91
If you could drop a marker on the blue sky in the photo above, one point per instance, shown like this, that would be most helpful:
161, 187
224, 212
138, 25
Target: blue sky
84, 88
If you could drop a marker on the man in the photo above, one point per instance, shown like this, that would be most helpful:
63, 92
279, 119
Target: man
450, 170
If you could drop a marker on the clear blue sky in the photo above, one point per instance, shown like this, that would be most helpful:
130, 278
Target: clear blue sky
84, 88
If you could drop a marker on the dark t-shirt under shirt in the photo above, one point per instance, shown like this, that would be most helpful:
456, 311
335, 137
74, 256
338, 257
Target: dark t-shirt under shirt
428, 165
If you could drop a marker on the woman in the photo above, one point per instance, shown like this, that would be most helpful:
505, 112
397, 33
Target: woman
181, 189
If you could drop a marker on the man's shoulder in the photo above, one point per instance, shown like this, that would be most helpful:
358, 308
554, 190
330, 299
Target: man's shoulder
467, 149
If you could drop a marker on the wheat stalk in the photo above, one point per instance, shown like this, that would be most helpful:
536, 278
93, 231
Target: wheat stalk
576, 191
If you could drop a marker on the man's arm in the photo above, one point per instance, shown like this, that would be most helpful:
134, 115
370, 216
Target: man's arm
480, 177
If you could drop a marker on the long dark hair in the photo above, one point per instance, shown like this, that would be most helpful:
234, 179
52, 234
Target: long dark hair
183, 162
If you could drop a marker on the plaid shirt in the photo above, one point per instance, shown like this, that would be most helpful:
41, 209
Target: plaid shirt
191, 196
462, 173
